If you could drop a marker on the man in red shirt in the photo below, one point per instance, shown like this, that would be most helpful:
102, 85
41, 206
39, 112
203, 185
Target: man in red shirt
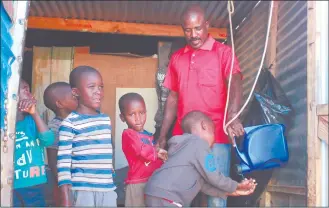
197, 78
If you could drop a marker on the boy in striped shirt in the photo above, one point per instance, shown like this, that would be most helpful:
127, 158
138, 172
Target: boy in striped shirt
85, 167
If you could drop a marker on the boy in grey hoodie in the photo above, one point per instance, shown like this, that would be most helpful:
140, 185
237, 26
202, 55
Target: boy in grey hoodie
191, 168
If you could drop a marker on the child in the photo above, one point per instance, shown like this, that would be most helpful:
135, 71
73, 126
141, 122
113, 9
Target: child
85, 150
138, 146
191, 168
32, 135
57, 97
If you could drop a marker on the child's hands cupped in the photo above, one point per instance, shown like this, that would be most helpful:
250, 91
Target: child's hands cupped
162, 154
245, 187
28, 105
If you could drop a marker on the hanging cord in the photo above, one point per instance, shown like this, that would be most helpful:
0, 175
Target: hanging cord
230, 8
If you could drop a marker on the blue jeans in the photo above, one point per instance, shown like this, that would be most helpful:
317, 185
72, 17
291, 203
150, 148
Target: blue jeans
222, 153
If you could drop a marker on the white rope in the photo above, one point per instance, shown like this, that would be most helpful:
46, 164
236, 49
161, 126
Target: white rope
230, 8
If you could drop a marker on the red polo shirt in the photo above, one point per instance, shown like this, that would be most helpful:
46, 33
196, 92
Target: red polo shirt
199, 77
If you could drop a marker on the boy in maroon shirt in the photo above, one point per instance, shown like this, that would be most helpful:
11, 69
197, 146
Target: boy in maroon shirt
139, 148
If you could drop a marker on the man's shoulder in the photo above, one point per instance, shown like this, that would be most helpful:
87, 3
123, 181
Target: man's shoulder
178, 53
221, 47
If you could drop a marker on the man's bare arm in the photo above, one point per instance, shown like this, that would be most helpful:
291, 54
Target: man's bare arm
234, 106
169, 117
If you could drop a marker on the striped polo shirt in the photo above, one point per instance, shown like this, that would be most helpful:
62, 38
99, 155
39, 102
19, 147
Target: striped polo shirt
85, 152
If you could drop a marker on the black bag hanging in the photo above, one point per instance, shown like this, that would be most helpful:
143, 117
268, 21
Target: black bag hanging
268, 106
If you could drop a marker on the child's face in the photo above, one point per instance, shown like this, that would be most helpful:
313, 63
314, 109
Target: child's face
90, 90
69, 103
209, 132
24, 91
135, 115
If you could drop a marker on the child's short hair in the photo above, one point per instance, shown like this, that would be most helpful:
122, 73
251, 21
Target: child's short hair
52, 93
193, 118
76, 74
127, 98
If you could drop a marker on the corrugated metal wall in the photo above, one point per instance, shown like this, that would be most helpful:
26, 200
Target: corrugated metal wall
290, 71
7, 58
249, 39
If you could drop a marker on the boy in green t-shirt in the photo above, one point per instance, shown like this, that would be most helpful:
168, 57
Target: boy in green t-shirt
32, 136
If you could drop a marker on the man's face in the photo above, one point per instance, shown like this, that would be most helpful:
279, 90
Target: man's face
195, 30
135, 115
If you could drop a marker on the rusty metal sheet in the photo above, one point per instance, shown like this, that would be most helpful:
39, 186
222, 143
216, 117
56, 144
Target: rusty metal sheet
152, 12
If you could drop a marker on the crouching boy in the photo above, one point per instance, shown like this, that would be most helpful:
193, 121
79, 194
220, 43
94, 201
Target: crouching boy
191, 168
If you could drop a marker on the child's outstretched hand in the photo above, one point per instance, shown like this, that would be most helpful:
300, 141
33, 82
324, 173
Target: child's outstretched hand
245, 187
162, 154
28, 105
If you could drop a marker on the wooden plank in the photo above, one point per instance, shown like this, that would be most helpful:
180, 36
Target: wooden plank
61, 66
294, 190
323, 128
85, 49
265, 199
322, 110
46, 23
41, 76
311, 107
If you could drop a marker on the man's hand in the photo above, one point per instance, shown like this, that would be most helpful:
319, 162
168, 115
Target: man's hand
235, 129
246, 187
161, 142
162, 154
28, 105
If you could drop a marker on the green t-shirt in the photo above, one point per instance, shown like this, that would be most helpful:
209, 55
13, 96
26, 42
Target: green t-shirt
29, 153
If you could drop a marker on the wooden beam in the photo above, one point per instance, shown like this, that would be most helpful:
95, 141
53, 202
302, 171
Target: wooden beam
94, 26
322, 110
323, 128
294, 190
311, 107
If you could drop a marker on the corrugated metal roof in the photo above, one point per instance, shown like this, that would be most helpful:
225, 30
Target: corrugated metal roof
149, 12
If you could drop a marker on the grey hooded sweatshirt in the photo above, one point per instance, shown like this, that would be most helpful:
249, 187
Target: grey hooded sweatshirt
190, 168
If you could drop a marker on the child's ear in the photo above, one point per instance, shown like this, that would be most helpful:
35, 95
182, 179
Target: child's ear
75, 92
59, 104
122, 118
203, 125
